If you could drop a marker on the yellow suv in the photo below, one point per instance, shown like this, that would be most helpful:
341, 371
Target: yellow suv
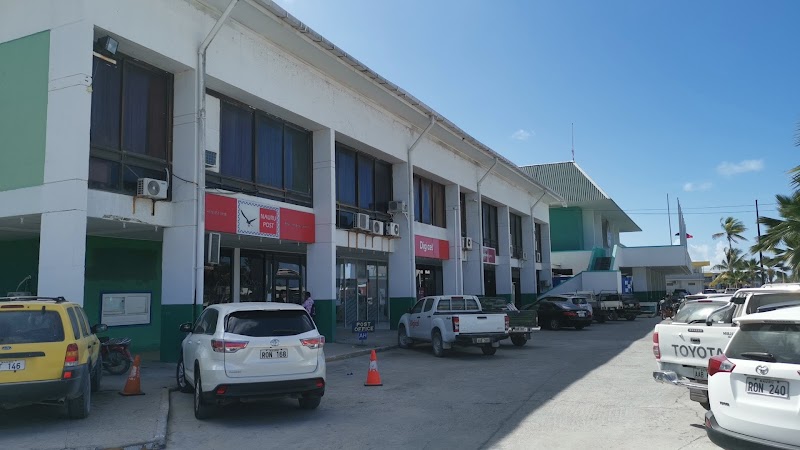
48, 354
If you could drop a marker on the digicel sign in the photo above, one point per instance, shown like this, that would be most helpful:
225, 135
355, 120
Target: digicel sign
237, 216
431, 248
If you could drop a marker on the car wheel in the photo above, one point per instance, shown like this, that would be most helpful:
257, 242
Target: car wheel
97, 376
554, 324
202, 410
579, 327
612, 316
80, 406
488, 350
180, 376
118, 363
403, 341
519, 341
438, 345
309, 402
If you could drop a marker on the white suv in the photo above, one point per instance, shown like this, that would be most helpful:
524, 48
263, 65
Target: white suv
244, 351
754, 387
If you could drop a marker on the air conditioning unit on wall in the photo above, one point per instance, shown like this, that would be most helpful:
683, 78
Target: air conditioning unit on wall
524, 256
151, 188
376, 227
212, 161
397, 206
392, 229
466, 243
362, 222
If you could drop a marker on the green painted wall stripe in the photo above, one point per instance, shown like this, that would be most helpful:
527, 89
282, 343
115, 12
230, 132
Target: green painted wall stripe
24, 72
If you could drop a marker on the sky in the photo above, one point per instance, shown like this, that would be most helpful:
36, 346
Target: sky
686, 100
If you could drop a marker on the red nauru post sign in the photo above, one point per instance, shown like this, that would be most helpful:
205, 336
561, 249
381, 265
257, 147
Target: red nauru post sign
247, 217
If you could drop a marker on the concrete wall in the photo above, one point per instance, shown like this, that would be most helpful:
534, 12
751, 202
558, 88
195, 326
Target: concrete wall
671, 255
578, 261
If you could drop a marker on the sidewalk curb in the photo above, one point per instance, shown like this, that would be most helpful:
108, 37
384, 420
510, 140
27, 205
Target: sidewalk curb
359, 353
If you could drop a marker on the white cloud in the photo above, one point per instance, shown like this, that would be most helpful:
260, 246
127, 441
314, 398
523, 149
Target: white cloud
692, 186
522, 135
704, 252
748, 165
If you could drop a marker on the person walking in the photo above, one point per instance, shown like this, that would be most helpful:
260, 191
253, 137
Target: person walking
308, 304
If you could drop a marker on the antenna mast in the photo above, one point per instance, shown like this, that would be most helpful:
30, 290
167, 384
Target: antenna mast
573, 142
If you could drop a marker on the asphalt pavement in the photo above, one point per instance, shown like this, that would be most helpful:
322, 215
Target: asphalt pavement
565, 389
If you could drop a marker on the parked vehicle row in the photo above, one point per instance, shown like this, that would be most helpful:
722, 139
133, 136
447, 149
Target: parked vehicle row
739, 356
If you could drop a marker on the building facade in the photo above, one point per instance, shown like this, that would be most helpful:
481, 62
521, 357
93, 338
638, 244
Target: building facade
302, 169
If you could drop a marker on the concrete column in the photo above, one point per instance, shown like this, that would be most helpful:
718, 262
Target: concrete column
527, 270
401, 276
322, 253
452, 280
547, 267
62, 242
178, 246
474, 263
503, 270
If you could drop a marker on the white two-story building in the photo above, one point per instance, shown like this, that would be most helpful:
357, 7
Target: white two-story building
144, 186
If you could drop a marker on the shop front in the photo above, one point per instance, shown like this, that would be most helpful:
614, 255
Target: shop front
429, 253
362, 292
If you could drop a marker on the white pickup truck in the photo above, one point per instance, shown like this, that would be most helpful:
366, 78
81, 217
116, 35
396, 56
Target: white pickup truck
448, 320
701, 329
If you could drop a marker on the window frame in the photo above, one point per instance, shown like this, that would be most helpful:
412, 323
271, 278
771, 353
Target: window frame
515, 227
490, 227
344, 209
124, 160
429, 202
252, 186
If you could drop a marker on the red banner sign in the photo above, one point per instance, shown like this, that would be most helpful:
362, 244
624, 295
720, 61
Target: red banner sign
489, 255
426, 247
238, 216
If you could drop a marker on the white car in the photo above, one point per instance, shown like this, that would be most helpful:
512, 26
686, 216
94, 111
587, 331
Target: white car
250, 351
754, 386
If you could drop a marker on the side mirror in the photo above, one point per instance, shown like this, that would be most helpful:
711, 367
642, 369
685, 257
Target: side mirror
99, 328
709, 322
186, 327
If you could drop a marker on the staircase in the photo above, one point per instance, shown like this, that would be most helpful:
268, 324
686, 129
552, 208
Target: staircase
602, 263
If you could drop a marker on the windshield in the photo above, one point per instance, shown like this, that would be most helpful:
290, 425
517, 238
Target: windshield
770, 342
263, 323
772, 298
24, 327
692, 312
578, 300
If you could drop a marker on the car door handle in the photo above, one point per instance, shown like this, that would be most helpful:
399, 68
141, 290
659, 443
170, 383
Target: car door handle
428, 317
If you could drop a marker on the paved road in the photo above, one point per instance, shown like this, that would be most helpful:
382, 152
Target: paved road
566, 389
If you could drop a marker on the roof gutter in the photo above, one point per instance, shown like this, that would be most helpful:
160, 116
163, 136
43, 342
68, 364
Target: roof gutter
200, 159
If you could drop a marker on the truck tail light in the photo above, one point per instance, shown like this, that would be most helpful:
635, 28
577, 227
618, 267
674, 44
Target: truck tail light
316, 342
719, 364
508, 322
656, 349
455, 324
70, 360
223, 346
570, 314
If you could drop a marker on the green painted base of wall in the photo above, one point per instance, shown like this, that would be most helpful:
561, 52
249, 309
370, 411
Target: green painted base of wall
397, 307
650, 296
172, 316
20, 259
527, 299
505, 296
124, 266
326, 318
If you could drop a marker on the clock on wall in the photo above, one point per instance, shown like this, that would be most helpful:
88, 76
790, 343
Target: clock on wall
247, 219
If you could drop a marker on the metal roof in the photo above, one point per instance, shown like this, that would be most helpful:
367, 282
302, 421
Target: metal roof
569, 181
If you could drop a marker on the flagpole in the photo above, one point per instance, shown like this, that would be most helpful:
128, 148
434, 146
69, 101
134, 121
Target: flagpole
669, 219
760, 255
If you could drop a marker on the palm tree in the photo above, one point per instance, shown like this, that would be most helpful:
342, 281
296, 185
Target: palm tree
751, 272
732, 230
729, 268
782, 236
774, 270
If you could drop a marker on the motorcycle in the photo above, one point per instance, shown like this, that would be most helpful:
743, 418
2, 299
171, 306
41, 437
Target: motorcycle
116, 357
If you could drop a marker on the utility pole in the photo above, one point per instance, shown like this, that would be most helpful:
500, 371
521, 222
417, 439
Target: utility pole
760, 255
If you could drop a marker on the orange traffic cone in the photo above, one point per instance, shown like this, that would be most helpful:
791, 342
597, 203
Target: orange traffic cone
134, 384
373, 377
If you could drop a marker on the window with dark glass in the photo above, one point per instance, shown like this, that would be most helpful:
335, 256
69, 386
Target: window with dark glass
429, 203
363, 185
516, 235
490, 227
463, 208
262, 155
537, 233
131, 123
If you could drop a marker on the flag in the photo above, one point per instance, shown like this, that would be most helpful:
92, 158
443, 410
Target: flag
688, 236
